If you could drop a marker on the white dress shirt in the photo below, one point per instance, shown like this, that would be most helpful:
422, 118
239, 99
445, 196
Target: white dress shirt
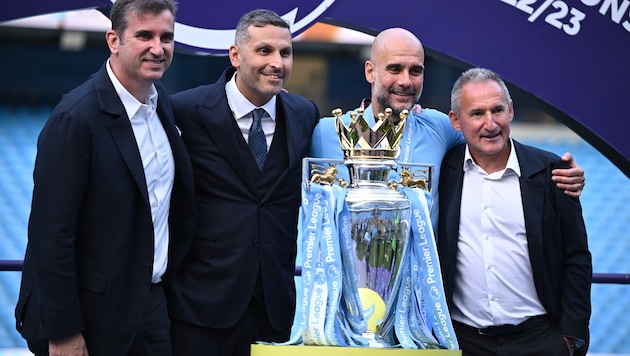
494, 282
158, 163
242, 111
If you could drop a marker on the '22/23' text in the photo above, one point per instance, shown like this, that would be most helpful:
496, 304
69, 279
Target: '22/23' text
562, 16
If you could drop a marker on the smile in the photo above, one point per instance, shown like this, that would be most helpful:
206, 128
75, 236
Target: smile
153, 61
401, 93
491, 136
273, 75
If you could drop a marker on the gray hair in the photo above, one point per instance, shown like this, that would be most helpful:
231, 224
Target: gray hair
122, 9
475, 75
257, 18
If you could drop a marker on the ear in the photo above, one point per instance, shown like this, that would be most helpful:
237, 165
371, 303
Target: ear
454, 120
113, 41
234, 56
370, 72
511, 110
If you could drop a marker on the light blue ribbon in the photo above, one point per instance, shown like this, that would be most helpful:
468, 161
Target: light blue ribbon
425, 252
329, 310
309, 230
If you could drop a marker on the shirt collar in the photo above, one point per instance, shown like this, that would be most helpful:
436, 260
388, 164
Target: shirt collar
512, 163
131, 104
239, 104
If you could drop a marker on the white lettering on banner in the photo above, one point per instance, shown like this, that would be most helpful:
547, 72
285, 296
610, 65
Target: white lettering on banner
318, 312
404, 304
442, 320
315, 213
312, 225
616, 10
561, 16
429, 263
420, 223
406, 155
316, 319
310, 244
569, 19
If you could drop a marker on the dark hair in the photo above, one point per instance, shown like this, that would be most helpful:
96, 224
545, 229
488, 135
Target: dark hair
257, 18
122, 9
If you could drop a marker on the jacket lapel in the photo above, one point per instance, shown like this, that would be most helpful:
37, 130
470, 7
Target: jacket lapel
294, 131
121, 131
222, 129
295, 127
532, 194
183, 168
451, 193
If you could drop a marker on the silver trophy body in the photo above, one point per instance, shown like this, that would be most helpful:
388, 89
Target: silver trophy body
379, 219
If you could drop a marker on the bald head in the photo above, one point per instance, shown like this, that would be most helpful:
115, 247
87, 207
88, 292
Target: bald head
395, 39
395, 70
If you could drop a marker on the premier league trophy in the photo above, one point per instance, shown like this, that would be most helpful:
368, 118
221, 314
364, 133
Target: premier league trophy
370, 273
378, 216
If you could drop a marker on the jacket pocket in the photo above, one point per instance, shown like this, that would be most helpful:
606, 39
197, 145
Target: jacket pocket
202, 249
91, 280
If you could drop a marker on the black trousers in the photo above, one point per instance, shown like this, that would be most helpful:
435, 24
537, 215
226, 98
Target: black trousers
154, 337
543, 339
253, 326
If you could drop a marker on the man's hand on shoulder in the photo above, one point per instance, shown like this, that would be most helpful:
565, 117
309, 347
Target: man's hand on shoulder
571, 180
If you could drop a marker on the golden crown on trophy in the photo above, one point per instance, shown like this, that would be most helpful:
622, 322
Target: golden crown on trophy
359, 140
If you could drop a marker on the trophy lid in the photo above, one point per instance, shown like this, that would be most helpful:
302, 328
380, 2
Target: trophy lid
360, 141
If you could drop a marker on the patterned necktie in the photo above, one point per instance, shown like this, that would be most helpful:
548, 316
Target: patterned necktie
257, 140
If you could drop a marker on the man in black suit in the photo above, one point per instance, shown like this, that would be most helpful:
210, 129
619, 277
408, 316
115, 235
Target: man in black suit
236, 285
513, 248
113, 205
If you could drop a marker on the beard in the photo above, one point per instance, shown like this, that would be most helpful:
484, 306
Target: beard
383, 100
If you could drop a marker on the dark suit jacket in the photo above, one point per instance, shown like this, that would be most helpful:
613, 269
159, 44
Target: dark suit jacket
556, 236
89, 257
247, 221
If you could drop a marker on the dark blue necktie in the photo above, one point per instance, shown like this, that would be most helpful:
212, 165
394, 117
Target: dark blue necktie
257, 140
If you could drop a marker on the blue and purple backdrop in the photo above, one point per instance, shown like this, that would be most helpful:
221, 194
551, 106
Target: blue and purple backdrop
572, 55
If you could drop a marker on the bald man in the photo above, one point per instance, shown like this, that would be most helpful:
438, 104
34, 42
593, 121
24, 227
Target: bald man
395, 71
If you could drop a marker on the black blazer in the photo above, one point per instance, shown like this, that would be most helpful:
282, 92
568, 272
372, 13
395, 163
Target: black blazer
89, 257
556, 236
247, 221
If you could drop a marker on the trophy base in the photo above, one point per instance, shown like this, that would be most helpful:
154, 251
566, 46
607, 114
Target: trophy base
375, 341
303, 350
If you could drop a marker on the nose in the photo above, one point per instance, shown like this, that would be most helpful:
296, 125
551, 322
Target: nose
275, 60
404, 79
489, 121
157, 47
